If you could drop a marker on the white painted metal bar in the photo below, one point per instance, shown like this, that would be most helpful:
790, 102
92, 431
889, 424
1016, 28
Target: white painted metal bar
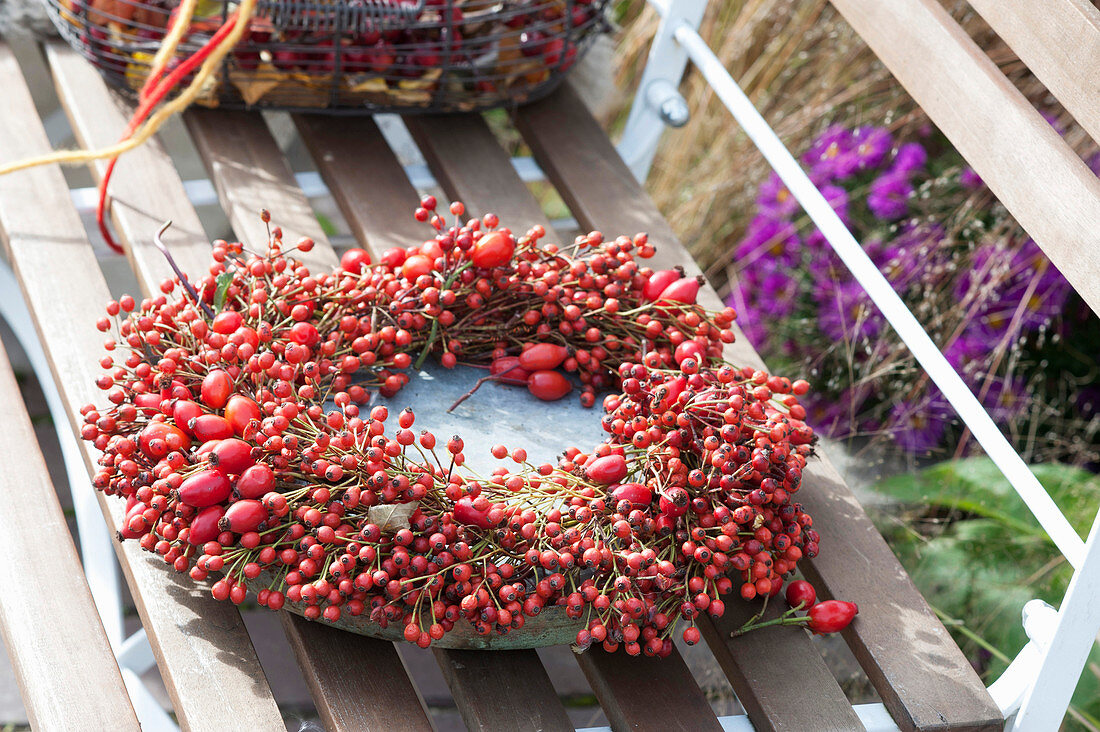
150, 712
926, 352
98, 554
1063, 657
201, 191
135, 653
664, 69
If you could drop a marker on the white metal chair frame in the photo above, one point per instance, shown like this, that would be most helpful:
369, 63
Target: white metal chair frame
1033, 693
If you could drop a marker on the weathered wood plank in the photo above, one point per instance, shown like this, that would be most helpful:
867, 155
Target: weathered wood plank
95, 698
145, 188
377, 200
921, 675
203, 652
353, 157
473, 168
250, 173
1059, 40
469, 163
480, 172
777, 673
646, 693
361, 691
1022, 159
497, 690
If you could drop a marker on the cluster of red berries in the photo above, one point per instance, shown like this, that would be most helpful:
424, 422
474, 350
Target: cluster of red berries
235, 433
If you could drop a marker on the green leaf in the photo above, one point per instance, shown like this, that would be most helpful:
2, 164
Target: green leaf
976, 553
976, 487
222, 289
326, 224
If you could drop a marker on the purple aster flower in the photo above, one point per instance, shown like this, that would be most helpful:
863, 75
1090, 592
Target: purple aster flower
1094, 163
1005, 399
769, 239
889, 196
1053, 121
968, 178
845, 312
969, 347
981, 272
824, 265
872, 144
837, 417
774, 200
900, 264
911, 157
838, 199
833, 144
1007, 287
919, 427
1041, 282
904, 259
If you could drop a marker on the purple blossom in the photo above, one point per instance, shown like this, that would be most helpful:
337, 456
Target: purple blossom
919, 427
838, 199
871, 147
1041, 283
831, 146
1005, 399
774, 200
768, 238
968, 178
911, 157
761, 294
889, 196
1020, 286
845, 312
970, 346
907, 256
900, 265
836, 417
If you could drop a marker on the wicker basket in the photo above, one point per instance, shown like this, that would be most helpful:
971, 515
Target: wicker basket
351, 55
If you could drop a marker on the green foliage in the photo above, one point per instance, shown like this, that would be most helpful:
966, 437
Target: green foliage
977, 554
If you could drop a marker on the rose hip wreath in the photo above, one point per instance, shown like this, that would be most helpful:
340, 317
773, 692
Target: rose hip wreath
234, 433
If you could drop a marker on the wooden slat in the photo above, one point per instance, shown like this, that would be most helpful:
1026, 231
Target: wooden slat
203, 652
646, 693
1059, 40
352, 156
377, 200
359, 683
146, 191
95, 698
923, 678
1022, 159
469, 163
250, 173
480, 173
98, 119
497, 690
342, 669
777, 674
473, 168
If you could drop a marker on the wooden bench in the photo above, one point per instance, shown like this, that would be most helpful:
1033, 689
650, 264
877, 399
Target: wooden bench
203, 652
